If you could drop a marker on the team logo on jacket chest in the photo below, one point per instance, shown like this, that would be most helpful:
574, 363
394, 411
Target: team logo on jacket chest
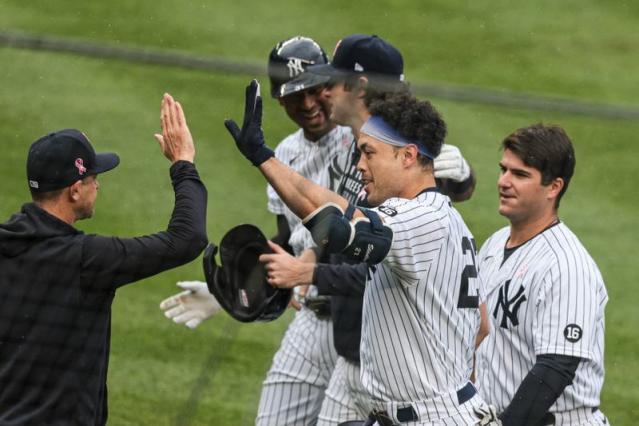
509, 306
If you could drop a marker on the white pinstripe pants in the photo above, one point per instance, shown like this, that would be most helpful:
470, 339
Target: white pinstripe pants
293, 390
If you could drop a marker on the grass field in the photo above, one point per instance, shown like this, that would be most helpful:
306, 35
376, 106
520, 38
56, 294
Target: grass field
161, 374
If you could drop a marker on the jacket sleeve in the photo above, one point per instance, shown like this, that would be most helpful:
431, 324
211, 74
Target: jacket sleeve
340, 279
110, 262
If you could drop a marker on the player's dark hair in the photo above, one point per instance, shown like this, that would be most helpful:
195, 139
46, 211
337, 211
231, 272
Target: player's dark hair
377, 88
413, 119
40, 197
548, 149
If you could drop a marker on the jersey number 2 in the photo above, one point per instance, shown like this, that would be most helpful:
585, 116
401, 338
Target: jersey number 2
470, 271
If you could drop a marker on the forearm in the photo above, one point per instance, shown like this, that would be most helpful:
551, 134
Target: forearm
301, 195
458, 191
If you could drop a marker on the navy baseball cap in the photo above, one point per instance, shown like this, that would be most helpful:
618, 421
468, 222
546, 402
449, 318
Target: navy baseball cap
360, 53
61, 158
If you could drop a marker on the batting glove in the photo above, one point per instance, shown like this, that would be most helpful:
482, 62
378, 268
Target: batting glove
192, 306
250, 139
487, 415
450, 164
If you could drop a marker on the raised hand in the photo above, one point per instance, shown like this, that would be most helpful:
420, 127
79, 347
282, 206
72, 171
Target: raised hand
250, 138
175, 141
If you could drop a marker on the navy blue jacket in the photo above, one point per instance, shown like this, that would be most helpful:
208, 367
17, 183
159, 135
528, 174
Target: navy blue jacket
56, 289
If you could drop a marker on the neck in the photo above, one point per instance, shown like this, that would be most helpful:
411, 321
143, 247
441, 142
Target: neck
59, 210
420, 182
315, 136
358, 121
522, 231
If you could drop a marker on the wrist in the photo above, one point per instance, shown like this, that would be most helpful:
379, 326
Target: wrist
305, 273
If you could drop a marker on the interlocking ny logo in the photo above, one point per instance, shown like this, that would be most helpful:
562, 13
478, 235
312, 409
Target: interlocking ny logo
295, 67
510, 306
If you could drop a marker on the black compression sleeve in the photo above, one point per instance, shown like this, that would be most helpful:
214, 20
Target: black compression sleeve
540, 389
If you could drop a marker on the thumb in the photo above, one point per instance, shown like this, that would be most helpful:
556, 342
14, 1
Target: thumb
276, 247
191, 285
233, 129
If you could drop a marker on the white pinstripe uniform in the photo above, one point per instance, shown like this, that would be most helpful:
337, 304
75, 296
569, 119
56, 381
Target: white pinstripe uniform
294, 388
548, 297
418, 334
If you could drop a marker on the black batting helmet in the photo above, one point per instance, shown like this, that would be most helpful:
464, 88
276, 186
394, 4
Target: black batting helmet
239, 282
288, 61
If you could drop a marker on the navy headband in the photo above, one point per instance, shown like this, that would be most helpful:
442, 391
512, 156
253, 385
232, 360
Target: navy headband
376, 127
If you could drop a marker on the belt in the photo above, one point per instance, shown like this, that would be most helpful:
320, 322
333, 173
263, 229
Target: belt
408, 414
319, 305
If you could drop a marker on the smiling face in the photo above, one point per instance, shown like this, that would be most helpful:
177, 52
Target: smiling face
522, 196
310, 110
381, 167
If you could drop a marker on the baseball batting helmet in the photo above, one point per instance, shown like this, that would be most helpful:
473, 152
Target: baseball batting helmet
239, 283
287, 65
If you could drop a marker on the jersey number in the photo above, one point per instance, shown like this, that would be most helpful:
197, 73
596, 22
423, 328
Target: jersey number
470, 271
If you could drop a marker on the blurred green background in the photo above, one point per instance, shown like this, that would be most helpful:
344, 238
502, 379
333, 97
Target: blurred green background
163, 374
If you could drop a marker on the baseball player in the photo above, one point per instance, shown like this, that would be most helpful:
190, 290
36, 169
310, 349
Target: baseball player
346, 399
542, 362
294, 388
421, 315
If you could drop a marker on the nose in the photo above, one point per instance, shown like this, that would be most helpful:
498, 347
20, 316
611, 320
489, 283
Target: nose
361, 161
504, 180
308, 101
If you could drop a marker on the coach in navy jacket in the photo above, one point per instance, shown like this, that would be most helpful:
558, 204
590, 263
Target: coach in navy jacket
57, 283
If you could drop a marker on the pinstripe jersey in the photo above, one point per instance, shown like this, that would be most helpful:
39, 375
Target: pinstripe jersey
416, 342
548, 297
322, 162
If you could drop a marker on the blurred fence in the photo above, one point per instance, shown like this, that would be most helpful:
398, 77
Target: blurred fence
469, 94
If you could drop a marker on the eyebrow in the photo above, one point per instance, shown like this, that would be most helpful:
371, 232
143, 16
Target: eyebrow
512, 169
362, 146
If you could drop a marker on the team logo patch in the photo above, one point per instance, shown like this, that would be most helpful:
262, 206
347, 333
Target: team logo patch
389, 211
572, 333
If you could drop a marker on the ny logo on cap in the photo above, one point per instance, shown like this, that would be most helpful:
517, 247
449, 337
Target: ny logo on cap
79, 164
295, 67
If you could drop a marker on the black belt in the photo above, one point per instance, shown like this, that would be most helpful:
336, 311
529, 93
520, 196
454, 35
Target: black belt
320, 305
408, 414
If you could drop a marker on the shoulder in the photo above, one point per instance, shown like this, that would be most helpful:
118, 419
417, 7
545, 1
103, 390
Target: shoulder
422, 210
566, 250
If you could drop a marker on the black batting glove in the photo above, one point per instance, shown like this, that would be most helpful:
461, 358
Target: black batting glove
250, 138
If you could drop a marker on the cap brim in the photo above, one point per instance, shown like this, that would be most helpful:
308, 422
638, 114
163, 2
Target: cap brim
105, 161
304, 81
328, 70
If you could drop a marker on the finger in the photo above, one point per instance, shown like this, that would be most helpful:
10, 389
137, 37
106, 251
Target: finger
174, 312
183, 318
276, 247
193, 323
163, 114
193, 286
265, 258
158, 137
295, 304
231, 126
179, 115
257, 114
249, 102
173, 301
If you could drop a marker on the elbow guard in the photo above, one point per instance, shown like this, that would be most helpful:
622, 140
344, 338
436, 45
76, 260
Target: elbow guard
366, 239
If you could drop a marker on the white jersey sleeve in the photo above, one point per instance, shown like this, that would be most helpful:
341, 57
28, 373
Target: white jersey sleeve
567, 304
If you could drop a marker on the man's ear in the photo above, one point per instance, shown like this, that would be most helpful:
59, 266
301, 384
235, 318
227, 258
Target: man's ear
362, 85
409, 155
74, 191
554, 188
